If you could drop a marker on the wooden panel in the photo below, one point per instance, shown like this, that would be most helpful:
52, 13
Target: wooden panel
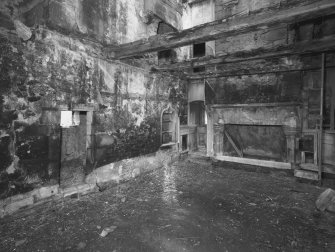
328, 146
169, 11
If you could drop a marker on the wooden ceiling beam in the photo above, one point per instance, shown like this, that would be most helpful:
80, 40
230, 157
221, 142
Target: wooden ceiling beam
244, 72
222, 28
301, 48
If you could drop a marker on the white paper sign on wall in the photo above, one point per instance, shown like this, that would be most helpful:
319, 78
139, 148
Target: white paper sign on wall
66, 119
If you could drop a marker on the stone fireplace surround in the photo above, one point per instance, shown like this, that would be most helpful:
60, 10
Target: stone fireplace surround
286, 115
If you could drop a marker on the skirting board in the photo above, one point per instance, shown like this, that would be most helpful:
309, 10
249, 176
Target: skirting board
257, 162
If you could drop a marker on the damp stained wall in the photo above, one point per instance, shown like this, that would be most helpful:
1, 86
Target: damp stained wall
61, 67
267, 81
194, 14
111, 21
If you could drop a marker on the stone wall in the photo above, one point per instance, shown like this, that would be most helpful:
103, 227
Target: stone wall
62, 67
99, 179
110, 22
170, 11
279, 79
265, 88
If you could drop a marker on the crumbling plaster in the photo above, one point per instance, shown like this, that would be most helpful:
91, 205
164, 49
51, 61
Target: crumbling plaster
62, 67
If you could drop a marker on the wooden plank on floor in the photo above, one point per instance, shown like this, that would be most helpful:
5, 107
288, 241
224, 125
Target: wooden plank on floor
256, 162
309, 167
326, 168
306, 175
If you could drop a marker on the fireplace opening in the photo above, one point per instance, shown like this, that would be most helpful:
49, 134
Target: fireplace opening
255, 141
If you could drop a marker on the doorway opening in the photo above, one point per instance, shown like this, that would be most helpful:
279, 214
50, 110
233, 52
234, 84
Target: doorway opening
74, 148
184, 144
169, 127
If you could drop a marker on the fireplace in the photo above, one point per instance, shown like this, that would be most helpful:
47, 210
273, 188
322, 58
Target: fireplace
233, 123
266, 142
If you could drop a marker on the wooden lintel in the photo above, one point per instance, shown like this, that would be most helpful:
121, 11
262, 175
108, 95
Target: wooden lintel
308, 47
255, 105
242, 72
223, 28
247, 72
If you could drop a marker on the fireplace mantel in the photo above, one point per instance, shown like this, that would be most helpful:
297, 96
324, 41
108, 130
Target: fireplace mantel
286, 115
266, 114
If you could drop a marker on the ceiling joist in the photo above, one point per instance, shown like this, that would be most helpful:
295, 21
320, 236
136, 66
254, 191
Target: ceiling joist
307, 47
222, 28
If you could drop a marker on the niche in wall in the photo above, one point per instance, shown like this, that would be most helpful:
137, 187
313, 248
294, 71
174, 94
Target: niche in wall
168, 55
197, 113
169, 121
199, 50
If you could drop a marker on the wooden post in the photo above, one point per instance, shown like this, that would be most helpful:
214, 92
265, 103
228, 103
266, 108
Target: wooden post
210, 132
218, 140
332, 108
323, 69
290, 134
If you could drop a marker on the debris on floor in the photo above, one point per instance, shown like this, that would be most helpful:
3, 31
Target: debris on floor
183, 207
107, 230
20, 242
326, 201
81, 245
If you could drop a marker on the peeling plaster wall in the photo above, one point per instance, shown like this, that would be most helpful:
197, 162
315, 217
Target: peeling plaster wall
55, 70
169, 11
107, 21
273, 79
266, 88
229, 8
235, 9
254, 127
196, 14
131, 21
274, 36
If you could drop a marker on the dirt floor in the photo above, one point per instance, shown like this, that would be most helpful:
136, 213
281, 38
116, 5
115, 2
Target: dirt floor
191, 206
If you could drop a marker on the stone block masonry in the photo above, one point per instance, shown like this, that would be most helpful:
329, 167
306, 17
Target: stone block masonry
113, 173
53, 61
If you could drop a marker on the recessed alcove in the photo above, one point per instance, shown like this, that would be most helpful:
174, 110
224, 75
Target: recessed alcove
169, 127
